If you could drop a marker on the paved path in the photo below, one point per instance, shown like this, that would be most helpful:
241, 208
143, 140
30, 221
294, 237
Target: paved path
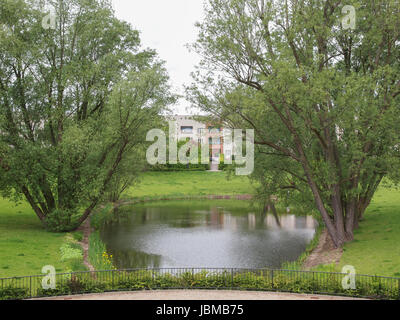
198, 295
213, 166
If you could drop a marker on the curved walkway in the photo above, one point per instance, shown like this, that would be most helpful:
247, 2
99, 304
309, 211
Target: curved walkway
198, 295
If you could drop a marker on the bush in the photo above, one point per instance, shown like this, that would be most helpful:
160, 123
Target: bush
180, 167
78, 236
72, 253
222, 166
60, 221
10, 293
101, 216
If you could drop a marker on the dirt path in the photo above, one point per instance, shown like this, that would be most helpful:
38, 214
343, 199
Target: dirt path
198, 295
324, 253
86, 229
214, 167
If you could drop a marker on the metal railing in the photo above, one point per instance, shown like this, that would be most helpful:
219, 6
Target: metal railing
313, 282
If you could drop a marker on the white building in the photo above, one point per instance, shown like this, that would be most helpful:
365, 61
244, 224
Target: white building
200, 132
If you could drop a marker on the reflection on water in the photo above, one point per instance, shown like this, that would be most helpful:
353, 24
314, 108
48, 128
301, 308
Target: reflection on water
205, 235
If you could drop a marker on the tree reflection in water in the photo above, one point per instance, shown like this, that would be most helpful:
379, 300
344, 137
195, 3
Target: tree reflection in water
220, 233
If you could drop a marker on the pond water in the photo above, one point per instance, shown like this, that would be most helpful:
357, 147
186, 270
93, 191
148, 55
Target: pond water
212, 234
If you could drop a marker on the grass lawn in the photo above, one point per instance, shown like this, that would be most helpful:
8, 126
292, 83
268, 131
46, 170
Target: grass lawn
25, 247
376, 248
189, 183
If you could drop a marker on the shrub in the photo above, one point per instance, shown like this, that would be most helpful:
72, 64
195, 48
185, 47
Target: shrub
60, 221
101, 216
78, 236
10, 293
70, 251
224, 166
180, 167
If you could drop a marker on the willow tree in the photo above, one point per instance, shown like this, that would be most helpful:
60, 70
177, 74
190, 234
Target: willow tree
76, 100
323, 97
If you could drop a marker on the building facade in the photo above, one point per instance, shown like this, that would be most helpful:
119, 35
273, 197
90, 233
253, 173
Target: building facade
186, 128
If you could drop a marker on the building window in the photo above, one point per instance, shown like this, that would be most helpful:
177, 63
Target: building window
213, 129
187, 129
214, 141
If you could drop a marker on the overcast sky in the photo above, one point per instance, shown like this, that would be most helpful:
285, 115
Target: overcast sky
167, 26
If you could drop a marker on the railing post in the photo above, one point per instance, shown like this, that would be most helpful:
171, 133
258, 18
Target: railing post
272, 279
30, 286
231, 278
398, 281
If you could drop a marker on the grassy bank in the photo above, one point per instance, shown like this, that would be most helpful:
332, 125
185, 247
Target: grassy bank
376, 248
25, 247
188, 183
98, 255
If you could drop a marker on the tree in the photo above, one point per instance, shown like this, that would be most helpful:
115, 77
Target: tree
323, 101
76, 102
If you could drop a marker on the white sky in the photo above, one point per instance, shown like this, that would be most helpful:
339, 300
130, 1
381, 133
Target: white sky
167, 26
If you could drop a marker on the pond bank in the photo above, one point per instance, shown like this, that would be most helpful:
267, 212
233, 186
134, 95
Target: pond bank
261, 255
87, 229
325, 253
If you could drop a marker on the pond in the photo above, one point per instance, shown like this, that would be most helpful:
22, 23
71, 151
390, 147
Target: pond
212, 234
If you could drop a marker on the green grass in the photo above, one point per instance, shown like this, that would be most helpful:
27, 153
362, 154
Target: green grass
25, 247
98, 255
189, 183
376, 248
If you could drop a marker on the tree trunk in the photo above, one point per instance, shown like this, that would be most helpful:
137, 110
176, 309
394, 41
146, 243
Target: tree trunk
34, 206
351, 218
272, 208
107, 180
338, 214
